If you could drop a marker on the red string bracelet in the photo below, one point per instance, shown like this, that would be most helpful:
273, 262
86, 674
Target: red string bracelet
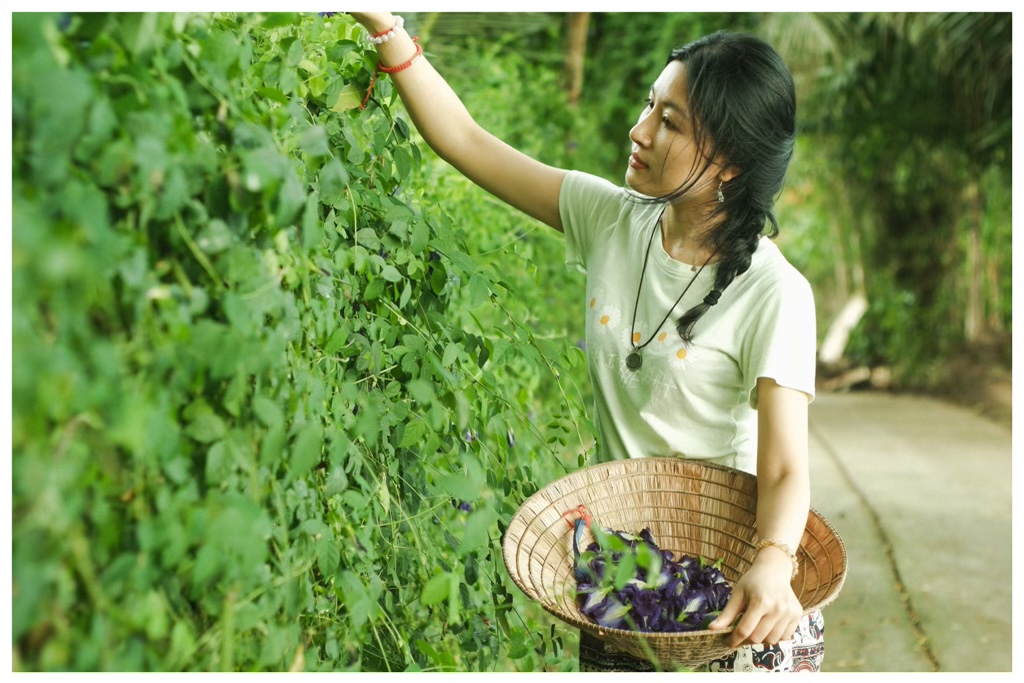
392, 69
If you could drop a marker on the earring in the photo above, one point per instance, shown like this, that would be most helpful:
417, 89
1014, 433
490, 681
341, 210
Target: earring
721, 197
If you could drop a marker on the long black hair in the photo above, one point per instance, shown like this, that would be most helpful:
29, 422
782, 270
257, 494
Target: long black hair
743, 105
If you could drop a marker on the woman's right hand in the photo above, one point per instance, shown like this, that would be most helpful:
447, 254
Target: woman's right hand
374, 22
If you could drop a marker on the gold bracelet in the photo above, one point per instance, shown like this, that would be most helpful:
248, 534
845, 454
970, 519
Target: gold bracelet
765, 542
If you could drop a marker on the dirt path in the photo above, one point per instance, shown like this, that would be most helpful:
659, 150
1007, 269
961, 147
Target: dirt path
920, 491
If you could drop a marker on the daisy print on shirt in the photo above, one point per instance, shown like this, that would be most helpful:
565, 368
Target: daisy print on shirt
609, 334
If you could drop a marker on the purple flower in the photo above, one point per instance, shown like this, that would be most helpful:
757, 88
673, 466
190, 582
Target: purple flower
696, 602
718, 596
611, 614
596, 599
647, 609
662, 595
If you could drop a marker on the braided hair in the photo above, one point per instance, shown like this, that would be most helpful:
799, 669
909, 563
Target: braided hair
743, 104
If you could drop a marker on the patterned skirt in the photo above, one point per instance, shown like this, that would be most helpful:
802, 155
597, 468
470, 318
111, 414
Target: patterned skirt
804, 652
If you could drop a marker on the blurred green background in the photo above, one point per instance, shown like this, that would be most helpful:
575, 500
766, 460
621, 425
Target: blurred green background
900, 188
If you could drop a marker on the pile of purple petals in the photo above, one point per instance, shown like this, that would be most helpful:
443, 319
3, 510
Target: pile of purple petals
664, 596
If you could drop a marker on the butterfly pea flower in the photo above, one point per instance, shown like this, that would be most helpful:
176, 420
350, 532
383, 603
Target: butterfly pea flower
611, 613
719, 596
596, 599
662, 596
647, 609
696, 602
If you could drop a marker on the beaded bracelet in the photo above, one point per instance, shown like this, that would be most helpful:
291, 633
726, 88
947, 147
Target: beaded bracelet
765, 542
385, 36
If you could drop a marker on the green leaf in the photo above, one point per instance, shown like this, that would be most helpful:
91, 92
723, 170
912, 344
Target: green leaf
263, 169
391, 274
373, 290
295, 53
368, 238
624, 571
336, 481
238, 532
337, 341
215, 238
312, 226
349, 97
384, 494
328, 555
451, 352
272, 94
332, 183
419, 238
478, 290
182, 641
436, 589
206, 428
421, 391
280, 19
357, 598
267, 411
476, 532
454, 612
313, 141
459, 486
154, 611
414, 433
306, 450
290, 200
218, 463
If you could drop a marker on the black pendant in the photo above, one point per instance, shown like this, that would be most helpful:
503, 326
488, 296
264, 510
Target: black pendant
634, 361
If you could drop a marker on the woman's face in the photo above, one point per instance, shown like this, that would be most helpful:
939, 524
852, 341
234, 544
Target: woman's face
664, 152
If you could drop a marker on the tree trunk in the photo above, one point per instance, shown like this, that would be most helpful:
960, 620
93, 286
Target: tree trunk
995, 298
575, 54
974, 310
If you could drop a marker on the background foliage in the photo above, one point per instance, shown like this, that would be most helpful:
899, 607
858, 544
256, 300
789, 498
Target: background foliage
281, 376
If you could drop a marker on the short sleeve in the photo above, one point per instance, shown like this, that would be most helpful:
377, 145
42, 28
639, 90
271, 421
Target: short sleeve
783, 340
588, 206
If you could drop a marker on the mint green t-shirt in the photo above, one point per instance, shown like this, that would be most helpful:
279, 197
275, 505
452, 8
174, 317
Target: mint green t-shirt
697, 400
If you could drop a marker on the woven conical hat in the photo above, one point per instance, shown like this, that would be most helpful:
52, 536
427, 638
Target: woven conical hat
691, 509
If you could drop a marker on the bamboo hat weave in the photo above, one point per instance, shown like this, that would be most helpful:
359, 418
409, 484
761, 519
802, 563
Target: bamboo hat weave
691, 509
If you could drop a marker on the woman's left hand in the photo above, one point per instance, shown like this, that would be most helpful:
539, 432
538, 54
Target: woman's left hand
770, 610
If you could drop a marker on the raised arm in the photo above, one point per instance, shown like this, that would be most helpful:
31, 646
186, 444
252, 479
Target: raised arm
442, 120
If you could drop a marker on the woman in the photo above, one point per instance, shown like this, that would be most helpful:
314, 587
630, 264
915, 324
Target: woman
731, 382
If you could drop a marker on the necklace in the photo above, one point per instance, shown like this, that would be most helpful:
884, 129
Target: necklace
634, 360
